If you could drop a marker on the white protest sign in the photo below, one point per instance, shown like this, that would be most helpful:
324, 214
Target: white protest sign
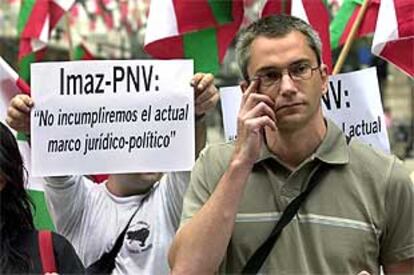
352, 102
94, 117
230, 98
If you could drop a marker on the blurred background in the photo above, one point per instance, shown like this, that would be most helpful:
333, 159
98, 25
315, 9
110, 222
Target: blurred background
115, 29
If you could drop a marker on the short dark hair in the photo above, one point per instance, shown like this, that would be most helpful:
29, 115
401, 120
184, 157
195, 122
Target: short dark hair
274, 26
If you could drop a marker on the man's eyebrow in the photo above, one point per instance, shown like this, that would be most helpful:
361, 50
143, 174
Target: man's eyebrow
300, 61
294, 63
268, 68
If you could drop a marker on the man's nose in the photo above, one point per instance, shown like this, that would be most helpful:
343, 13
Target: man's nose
287, 85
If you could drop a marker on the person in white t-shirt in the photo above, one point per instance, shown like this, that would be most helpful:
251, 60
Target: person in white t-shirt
92, 216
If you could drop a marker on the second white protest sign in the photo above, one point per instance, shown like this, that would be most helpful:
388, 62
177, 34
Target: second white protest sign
352, 101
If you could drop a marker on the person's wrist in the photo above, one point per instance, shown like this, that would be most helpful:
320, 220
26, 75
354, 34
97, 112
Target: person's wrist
240, 160
240, 164
201, 118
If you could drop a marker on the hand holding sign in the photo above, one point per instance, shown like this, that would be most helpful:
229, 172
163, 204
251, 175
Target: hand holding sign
18, 114
206, 94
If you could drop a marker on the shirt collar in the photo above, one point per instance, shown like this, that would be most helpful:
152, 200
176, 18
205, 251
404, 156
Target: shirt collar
332, 150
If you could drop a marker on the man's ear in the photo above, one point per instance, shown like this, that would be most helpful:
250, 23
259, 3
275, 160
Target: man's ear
244, 85
324, 78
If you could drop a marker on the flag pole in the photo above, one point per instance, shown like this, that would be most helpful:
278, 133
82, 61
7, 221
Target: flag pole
284, 10
350, 39
69, 34
409, 150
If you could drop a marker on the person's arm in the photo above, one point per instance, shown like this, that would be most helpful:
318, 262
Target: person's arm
397, 241
200, 244
66, 199
200, 135
404, 267
65, 195
205, 99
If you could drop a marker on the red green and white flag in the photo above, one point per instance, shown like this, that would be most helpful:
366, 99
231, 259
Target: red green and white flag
10, 80
81, 52
104, 10
125, 14
394, 34
276, 7
345, 18
79, 20
202, 30
11, 85
314, 12
37, 18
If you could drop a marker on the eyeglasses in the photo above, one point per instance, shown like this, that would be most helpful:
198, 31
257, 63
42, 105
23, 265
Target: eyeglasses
297, 72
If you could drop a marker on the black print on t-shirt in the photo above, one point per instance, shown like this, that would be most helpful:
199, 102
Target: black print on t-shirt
139, 237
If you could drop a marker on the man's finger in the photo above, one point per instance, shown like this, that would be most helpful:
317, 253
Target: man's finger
251, 89
27, 100
255, 99
260, 110
205, 81
261, 122
206, 105
22, 103
196, 79
15, 114
206, 94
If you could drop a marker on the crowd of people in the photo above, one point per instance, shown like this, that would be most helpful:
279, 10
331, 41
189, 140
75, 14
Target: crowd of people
291, 195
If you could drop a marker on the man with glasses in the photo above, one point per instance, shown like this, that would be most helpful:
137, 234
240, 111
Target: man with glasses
346, 208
